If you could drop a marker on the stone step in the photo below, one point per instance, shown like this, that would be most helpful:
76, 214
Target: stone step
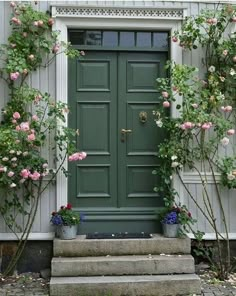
122, 265
82, 247
144, 285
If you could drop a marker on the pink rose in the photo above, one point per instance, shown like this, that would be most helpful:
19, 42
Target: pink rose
31, 137
25, 173
31, 57
24, 126
12, 4
188, 124
233, 19
35, 176
206, 125
14, 121
82, 53
165, 94
55, 48
36, 23
231, 132
50, 22
45, 165
16, 115
40, 23
166, 104
11, 174
35, 118
3, 169
37, 99
83, 154
174, 39
14, 75
228, 108
18, 128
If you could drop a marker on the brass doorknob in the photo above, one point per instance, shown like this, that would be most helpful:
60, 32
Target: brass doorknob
125, 131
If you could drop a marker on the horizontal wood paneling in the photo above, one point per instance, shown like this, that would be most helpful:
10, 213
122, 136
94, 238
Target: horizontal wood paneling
45, 81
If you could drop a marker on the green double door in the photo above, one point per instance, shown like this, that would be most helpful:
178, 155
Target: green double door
112, 96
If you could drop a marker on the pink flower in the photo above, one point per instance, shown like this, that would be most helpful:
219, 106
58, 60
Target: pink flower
166, 104
224, 141
50, 22
165, 94
11, 174
35, 176
14, 121
31, 137
12, 4
233, 19
228, 108
206, 125
3, 169
31, 57
25, 173
14, 75
82, 53
174, 39
35, 118
18, 128
55, 48
188, 124
45, 165
36, 24
16, 115
231, 132
24, 126
77, 156
40, 23
37, 99
225, 52
16, 21
195, 106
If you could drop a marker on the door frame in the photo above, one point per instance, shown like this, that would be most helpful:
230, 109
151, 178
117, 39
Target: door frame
150, 19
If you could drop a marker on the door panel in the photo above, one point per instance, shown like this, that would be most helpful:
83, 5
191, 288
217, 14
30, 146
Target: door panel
137, 152
93, 103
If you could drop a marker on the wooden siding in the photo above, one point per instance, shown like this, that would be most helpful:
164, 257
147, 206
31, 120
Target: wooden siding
45, 81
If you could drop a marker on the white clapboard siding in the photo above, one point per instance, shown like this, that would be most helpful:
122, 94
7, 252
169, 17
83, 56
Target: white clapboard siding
44, 79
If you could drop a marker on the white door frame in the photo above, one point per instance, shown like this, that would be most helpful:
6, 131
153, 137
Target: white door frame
133, 18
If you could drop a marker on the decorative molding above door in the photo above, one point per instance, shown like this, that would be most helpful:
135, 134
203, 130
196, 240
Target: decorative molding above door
108, 12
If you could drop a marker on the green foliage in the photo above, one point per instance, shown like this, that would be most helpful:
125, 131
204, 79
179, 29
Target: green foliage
205, 123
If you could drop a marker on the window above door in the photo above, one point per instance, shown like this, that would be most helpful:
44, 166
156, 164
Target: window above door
158, 41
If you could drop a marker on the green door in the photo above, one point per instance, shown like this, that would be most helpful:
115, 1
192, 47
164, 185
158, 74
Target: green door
112, 96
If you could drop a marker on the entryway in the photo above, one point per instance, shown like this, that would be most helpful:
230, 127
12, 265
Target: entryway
112, 95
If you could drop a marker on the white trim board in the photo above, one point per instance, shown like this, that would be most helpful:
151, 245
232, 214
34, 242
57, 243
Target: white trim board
32, 236
62, 24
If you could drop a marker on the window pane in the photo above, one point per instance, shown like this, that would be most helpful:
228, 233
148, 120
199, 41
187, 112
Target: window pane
160, 40
77, 37
127, 39
93, 37
110, 38
144, 39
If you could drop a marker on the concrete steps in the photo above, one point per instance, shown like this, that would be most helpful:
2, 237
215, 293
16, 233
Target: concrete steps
81, 247
123, 267
152, 285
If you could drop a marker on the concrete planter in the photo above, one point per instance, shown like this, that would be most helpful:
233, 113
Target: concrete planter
68, 232
170, 230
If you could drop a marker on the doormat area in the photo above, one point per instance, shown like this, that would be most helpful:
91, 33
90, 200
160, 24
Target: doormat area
120, 235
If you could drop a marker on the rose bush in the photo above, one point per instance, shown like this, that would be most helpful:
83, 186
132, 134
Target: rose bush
206, 122
31, 120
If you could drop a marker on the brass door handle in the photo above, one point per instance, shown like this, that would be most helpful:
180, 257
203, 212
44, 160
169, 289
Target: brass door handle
125, 131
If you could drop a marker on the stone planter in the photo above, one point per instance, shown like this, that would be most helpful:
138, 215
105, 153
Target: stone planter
170, 230
68, 232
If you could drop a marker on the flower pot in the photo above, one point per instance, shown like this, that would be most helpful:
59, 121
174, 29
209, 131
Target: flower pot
68, 232
170, 230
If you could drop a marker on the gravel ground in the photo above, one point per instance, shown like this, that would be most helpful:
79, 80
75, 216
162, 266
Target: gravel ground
30, 284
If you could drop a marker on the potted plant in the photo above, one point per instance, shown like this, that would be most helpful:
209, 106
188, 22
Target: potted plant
66, 222
175, 220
